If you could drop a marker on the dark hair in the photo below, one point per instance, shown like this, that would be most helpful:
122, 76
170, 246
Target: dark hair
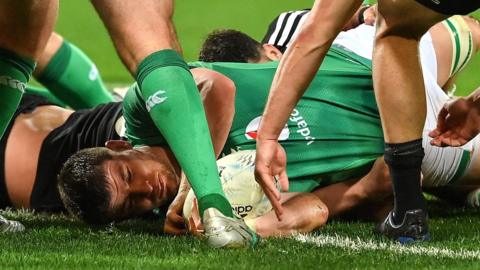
229, 45
83, 187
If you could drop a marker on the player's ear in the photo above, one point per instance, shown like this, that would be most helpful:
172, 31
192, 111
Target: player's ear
118, 145
272, 52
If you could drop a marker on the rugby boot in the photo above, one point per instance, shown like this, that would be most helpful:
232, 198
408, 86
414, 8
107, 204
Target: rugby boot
226, 232
413, 228
10, 226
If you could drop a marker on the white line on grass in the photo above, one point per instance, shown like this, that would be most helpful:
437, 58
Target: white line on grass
357, 244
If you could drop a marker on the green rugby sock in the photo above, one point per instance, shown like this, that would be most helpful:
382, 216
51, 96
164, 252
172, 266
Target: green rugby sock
174, 104
73, 78
15, 72
216, 201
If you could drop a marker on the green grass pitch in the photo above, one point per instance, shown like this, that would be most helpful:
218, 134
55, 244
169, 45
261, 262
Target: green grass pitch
61, 243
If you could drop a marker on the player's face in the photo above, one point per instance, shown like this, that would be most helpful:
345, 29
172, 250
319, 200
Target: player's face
138, 182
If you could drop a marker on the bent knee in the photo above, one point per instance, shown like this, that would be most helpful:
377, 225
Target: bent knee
310, 219
321, 215
314, 218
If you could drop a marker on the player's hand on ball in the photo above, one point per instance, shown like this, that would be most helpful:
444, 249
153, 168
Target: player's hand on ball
174, 222
195, 225
270, 163
458, 123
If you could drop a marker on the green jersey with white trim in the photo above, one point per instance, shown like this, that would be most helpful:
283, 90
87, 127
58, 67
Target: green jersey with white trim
334, 132
139, 126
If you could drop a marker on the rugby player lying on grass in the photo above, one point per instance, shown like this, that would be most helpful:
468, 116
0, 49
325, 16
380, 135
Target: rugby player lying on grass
43, 135
126, 182
72, 80
446, 36
203, 181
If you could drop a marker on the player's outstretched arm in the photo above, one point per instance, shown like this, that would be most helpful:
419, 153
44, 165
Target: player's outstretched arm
302, 60
295, 72
303, 213
458, 121
270, 167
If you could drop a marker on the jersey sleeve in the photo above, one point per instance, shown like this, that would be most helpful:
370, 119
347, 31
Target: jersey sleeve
140, 128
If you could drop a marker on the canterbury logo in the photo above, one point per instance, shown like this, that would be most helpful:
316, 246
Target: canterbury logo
155, 99
13, 83
93, 74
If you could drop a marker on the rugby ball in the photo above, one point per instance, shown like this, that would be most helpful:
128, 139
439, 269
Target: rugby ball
236, 173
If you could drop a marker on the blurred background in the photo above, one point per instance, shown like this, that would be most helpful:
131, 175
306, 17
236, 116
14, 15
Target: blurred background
194, 19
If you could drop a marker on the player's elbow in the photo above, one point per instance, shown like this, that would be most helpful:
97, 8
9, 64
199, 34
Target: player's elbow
216, 87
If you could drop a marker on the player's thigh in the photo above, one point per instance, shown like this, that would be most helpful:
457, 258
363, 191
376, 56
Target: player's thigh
405, 18
138, 29
26, 25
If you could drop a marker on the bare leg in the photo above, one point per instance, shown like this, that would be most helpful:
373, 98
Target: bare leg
53, 44
303, 213
343, 197
397, 73
400, 95
150, 30
367, 198
26, 26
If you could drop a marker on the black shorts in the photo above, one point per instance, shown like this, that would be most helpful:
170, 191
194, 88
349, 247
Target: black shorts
27, 104
451, 7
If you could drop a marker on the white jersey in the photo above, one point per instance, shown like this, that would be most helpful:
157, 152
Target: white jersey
441, 166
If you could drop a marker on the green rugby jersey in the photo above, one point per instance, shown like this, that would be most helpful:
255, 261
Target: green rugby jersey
333, 134
139, 126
